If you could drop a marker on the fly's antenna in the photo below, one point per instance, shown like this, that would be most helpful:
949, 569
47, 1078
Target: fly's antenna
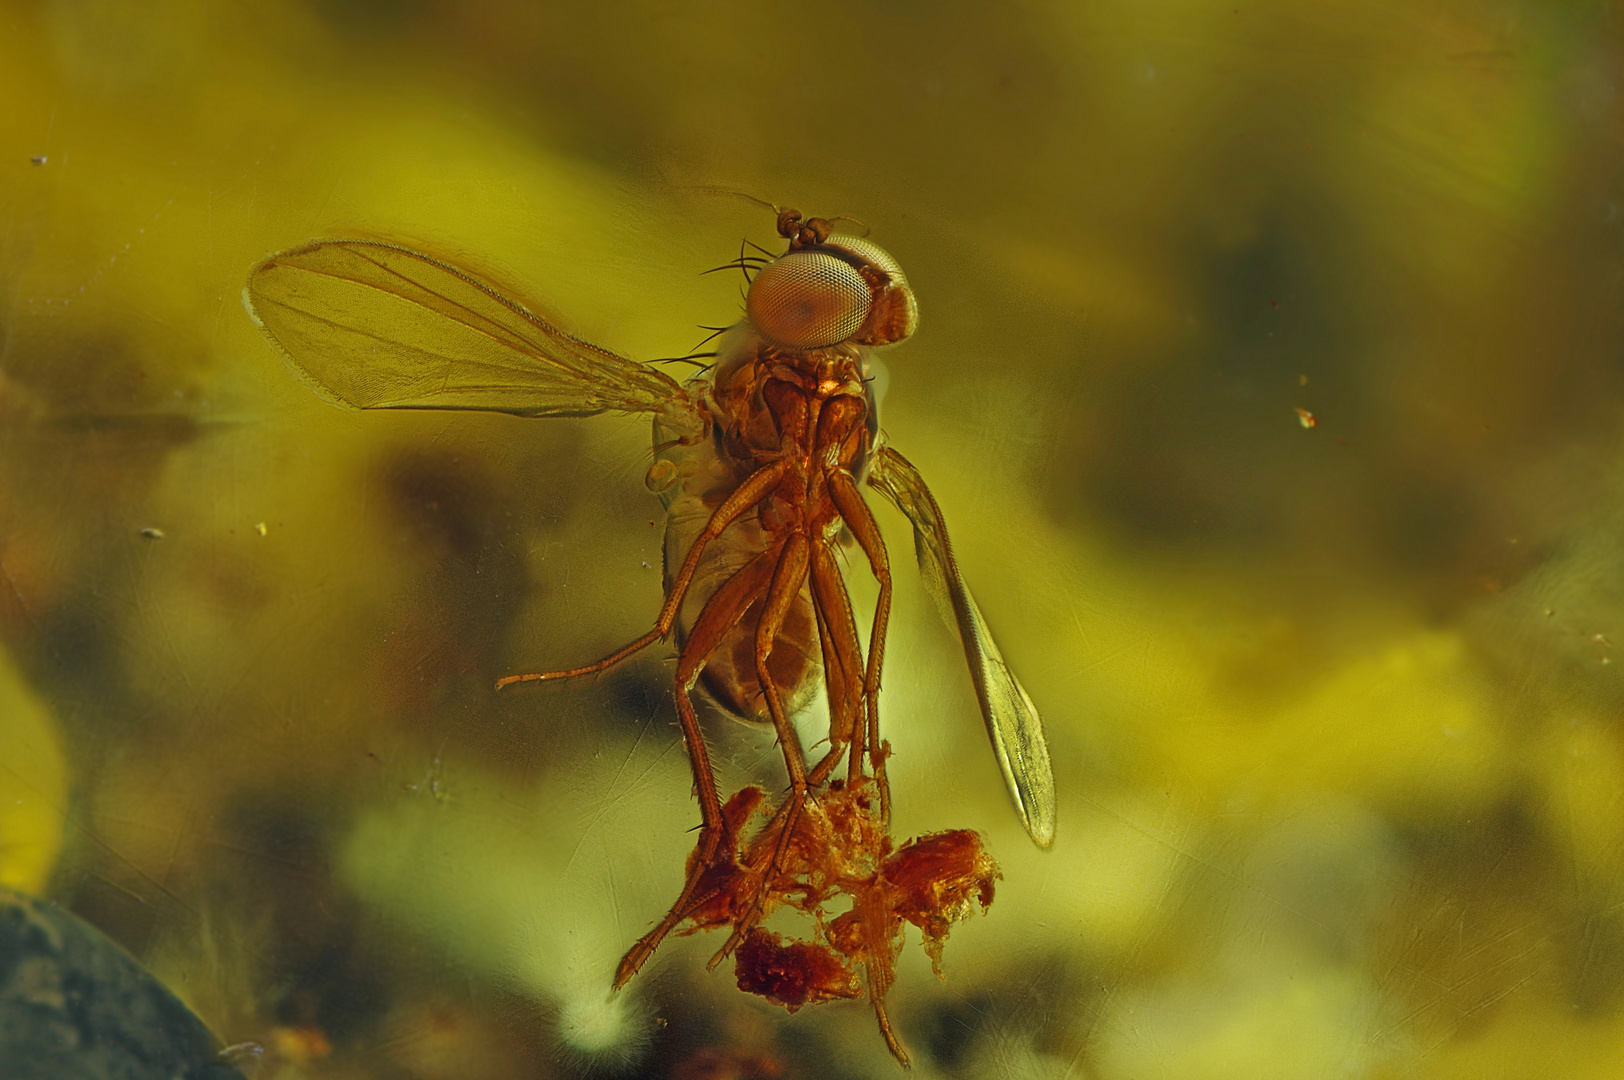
798, 230
734, 193
844, 217
784, 213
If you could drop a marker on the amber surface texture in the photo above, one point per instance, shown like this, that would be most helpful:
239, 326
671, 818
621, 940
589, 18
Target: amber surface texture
1264, 361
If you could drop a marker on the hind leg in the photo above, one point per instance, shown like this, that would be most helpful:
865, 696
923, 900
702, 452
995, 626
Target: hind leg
788, 577
753, 490
716, 845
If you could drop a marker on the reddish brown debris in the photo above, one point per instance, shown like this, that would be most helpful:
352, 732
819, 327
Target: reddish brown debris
793, 974
838, 847
934, 880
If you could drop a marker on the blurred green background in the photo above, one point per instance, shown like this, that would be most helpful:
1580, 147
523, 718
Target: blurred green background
1335, 709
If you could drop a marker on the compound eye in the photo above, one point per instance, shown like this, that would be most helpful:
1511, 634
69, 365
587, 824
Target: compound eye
809, 299
871, 253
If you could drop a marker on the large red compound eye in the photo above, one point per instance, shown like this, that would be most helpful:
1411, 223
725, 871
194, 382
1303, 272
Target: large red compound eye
894, 314
809, 299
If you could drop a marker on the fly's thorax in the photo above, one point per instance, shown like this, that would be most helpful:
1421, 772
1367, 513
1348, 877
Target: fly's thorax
732, 395
760, 395
679, 453
738, 348
696, 469
762, 402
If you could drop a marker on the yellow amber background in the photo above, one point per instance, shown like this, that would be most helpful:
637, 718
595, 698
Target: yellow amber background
1334, 710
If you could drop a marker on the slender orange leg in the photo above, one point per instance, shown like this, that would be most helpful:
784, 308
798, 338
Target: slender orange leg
842, 651
829, 591
721, 613
860, 520
755, 488
787, 581
821, 771
892, 1043
845, 707
841, 704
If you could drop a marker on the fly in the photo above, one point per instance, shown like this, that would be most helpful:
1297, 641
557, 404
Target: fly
759, 461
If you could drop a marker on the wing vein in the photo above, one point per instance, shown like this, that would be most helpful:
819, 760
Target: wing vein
378, 326
1013, 724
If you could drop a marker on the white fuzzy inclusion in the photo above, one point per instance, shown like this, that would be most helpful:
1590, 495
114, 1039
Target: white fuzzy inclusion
600, 1026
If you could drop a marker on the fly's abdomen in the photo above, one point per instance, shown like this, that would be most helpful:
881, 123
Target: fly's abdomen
692, 481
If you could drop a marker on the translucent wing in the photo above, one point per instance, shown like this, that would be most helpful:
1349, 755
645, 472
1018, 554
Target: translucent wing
1011, 718
375, 326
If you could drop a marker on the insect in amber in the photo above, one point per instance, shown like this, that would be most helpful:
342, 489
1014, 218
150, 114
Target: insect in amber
759, 462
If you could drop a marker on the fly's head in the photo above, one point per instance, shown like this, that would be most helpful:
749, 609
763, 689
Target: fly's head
829, 289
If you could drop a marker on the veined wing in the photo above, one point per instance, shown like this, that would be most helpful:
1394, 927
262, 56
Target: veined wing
1011, 718
376, 326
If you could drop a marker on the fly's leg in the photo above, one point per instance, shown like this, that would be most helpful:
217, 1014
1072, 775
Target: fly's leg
721, 613
860, 520
842, 652
845, 707
892, 1043
786, 585
842, 660
755, 488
